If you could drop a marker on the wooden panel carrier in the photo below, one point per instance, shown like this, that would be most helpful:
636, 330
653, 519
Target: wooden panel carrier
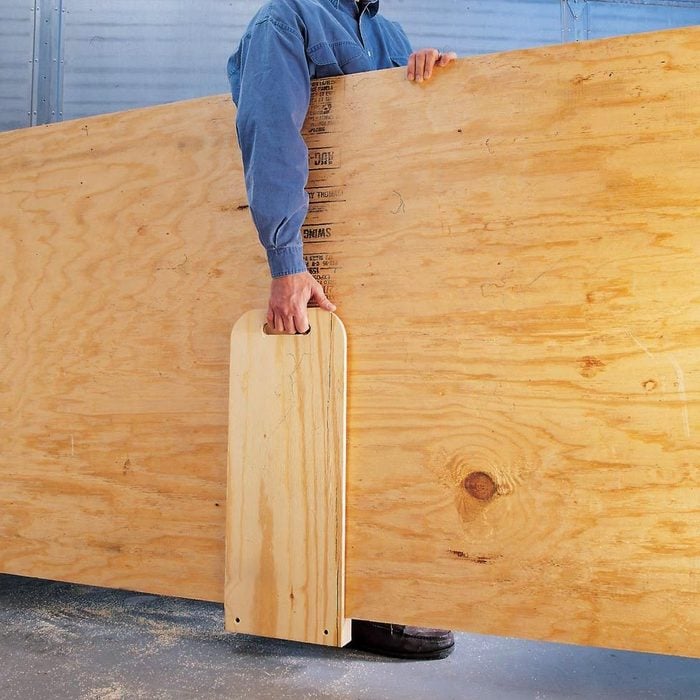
285, 531
513, 248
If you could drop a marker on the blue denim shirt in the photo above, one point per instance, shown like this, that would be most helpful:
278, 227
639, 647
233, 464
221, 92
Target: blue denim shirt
287, 43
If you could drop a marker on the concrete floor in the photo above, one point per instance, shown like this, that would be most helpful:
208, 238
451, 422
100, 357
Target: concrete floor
76, 642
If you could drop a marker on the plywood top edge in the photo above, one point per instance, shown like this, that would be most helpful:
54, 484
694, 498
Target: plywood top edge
587, 47
571, 50
215, 101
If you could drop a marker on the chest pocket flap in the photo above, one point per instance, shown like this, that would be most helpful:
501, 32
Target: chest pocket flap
337, 53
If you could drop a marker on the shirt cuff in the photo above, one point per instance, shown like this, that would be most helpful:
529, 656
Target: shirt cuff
286, 261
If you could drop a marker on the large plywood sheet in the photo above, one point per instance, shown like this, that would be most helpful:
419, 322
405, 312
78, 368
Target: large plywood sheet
513, 250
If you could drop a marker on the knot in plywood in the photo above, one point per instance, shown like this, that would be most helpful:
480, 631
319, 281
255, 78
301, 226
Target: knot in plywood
481, 486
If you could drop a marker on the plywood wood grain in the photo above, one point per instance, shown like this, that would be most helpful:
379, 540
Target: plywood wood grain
119, 274
513, 250
285, 507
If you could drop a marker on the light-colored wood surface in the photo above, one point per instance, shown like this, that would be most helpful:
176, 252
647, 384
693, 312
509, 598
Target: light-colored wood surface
120, 267
513, 249
285, 506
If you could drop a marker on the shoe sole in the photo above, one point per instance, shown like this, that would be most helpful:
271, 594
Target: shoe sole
421, 656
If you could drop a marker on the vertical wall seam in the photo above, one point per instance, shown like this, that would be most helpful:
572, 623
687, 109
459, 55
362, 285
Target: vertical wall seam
35, 64
60, 19
47, 75
574, 20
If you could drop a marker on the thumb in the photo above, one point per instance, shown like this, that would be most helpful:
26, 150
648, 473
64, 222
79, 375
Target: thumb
320, 298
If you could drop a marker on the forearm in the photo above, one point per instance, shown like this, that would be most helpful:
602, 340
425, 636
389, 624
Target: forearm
275, 185
273, 92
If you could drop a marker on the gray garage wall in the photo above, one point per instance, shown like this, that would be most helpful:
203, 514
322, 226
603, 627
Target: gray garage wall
63, 59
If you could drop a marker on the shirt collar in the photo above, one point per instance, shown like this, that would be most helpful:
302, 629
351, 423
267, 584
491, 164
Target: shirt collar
372, 5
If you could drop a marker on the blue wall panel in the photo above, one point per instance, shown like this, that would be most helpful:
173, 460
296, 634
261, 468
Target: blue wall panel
628, 18
133, 53
469, 27
16, 56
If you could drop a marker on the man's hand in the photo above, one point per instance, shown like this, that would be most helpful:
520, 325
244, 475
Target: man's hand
289, 297
421, 63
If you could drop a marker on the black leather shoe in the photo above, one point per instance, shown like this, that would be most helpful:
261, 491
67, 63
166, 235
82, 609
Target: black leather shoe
401, 642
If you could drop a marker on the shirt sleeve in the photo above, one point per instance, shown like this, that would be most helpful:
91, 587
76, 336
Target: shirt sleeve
403, 42
271, 87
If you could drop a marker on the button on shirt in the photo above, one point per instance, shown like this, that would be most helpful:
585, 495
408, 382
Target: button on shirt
287, 43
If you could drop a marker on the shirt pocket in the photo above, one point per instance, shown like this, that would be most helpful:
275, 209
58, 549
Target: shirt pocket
328, 59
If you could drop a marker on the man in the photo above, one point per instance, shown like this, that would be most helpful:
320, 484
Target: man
286, 44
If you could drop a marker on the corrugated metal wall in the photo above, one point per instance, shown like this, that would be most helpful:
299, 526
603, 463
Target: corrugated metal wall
485, 26
16, 57
93, 56
639, 16
132, 53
